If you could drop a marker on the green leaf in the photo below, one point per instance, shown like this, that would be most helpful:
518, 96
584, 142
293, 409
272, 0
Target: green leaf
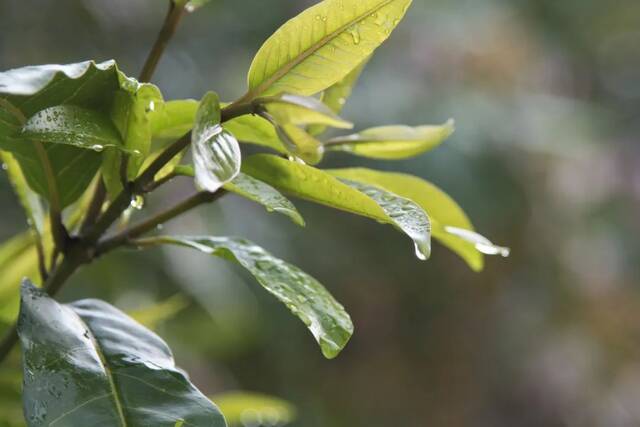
172, 120
257, 191
18, 259
154, 314
255, 130
28, 90
392, 142
260, 192
322, 45
216, 153
407, 216
300, 144
447, 218
28, 199
87, 363
335, 97
302, 294
71, 125
318, 186
287, 108
242, 408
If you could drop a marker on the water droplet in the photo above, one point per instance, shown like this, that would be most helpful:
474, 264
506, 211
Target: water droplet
97, 147
355, 34
190, 7
4, 167
137, 202
423, 250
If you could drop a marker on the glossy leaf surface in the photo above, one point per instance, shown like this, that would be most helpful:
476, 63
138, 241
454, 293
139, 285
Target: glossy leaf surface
87, 363
264, 194
288, 108
323, 44
302, 294
321, 187
216, 153
406, 215
300, 144
172, 119
71, 125
255, 130
392, 142
443, 211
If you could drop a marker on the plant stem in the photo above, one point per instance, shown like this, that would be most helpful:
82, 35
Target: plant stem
95, 207
152, 223
171, 21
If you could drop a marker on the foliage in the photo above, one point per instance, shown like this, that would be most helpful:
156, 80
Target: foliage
84, 142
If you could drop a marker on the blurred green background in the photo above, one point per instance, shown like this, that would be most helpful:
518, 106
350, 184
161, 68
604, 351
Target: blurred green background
546, 160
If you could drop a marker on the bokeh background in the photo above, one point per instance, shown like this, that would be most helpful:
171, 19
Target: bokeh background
546, 160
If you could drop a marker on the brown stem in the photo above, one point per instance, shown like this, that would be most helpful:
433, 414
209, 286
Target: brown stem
171, 21
95, 207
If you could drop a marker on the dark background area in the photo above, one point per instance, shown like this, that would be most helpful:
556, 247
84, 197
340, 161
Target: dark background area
546, 160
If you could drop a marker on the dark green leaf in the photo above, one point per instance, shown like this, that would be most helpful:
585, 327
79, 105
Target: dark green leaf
216, 153
88, 364
72, 125
302, 294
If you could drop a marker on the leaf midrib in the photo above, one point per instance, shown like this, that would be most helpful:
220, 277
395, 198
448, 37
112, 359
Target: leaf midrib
310, 51
107, 370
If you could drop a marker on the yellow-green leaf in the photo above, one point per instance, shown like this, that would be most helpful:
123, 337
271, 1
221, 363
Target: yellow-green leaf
320, 187
300, 144
172, 119
335, 97
392, 142
450, 225
241, 408
159, 312
322, 45
255, 130
300, 110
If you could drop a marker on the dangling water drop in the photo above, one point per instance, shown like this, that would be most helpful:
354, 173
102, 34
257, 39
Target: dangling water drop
137, 202
97, 147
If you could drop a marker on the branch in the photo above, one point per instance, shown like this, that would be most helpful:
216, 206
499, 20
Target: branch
171, 21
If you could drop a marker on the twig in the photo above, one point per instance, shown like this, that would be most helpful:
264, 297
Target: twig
171, 21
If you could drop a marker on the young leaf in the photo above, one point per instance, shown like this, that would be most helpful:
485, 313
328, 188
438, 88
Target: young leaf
87, 363
302, 294
241, 408
159, 312
392, 142
322, 45
320, 187
301, 110
260, 192
28, 199
406, 215
257, 191
447, 218
255, 130
335, 97
18, 259
71, 125
216, 153
172, 119
300, 144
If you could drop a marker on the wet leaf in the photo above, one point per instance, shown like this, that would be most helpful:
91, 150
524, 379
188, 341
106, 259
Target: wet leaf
300, 144
449, 224
255, 130
320, 187
392, 142
71, 125
216, 153
322, 45
302, 294
87, 363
